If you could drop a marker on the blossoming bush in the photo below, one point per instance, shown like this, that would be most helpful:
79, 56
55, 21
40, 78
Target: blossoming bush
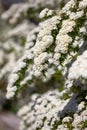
15, 24
54, 65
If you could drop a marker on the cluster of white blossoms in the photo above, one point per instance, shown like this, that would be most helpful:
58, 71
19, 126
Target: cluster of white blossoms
54, 110
12, 47
24, 65
30, 9
10, 51
53, 46
55, 53
77, 72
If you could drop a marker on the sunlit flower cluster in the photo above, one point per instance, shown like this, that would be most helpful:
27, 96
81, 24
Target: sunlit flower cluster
52, 112
49, 58
52, 46
77, 72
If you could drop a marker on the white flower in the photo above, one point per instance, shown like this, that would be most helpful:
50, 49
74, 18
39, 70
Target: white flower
83, 4
10, 95
62, 42
81, 106
67, 119
43, 13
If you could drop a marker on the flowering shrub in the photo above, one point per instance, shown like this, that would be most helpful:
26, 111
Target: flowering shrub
51, 47
55, 55
54, 110
19, 24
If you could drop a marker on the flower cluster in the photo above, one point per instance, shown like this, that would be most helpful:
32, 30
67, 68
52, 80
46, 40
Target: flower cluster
12, 47
54, 111
8, 56
53, 47
56, 46
77, 72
